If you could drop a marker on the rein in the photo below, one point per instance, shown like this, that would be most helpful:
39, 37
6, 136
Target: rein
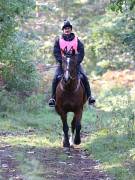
76, 89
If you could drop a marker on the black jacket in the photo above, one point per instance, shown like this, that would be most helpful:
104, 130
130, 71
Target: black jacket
57, 51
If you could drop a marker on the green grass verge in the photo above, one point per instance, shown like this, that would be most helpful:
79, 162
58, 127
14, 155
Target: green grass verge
112, 137
116, 152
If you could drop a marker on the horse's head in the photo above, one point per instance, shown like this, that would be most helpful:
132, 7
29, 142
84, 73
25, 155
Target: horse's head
69, 64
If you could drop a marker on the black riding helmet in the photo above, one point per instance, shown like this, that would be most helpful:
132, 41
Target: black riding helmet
66, 24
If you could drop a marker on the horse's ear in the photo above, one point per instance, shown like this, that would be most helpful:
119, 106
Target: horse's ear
62, 52
65, 50
73, 52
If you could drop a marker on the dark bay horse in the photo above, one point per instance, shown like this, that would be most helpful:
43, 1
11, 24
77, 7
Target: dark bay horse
70, 97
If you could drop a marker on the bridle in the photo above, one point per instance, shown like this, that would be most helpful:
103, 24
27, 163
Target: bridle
67, 68
67, 77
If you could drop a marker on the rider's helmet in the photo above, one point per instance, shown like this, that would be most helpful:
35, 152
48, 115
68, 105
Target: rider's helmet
66, 24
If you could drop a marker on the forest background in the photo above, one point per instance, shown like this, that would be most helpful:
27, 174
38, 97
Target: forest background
107, 28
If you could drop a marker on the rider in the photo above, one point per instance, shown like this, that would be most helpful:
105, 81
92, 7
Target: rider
68, 39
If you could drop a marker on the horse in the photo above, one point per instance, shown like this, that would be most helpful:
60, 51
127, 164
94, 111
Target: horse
70, 97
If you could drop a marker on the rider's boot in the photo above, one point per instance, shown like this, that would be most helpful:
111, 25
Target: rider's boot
52, 100
91, 100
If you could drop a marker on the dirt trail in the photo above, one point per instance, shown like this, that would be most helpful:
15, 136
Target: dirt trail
8, 163
32, 163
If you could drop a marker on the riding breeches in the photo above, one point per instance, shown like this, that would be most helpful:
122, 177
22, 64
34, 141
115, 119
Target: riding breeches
56, 79
85, 81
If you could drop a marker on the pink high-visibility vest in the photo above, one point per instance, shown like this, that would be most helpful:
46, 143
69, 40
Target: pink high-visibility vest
69, 44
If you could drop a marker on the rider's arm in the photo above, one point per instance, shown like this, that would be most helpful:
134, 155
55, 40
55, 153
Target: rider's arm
57, 52
80, 50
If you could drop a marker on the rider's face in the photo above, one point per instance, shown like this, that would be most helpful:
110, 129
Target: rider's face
67, 30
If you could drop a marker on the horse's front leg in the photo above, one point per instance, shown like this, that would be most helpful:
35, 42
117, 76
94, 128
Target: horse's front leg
72, 131
78, 116
65, 130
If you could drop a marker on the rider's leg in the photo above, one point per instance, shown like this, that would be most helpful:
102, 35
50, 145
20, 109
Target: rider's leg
54, 85
87, 86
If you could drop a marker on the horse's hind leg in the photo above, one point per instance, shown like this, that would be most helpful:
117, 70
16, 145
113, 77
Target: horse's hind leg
65, 130
78, 117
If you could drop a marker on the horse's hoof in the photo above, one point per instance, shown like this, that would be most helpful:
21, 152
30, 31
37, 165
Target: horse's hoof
66, 145
66, 150
77, 141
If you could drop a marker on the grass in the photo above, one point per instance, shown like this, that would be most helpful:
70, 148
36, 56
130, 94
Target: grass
31, 141
113, 151
44, 125
112, 140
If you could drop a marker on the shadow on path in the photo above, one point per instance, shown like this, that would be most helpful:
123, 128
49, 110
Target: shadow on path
32, 163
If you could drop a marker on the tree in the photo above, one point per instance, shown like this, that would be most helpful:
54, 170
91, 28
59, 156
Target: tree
121, 5
14, 49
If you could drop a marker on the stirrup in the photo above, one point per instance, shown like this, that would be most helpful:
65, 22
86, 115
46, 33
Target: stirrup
52, 102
